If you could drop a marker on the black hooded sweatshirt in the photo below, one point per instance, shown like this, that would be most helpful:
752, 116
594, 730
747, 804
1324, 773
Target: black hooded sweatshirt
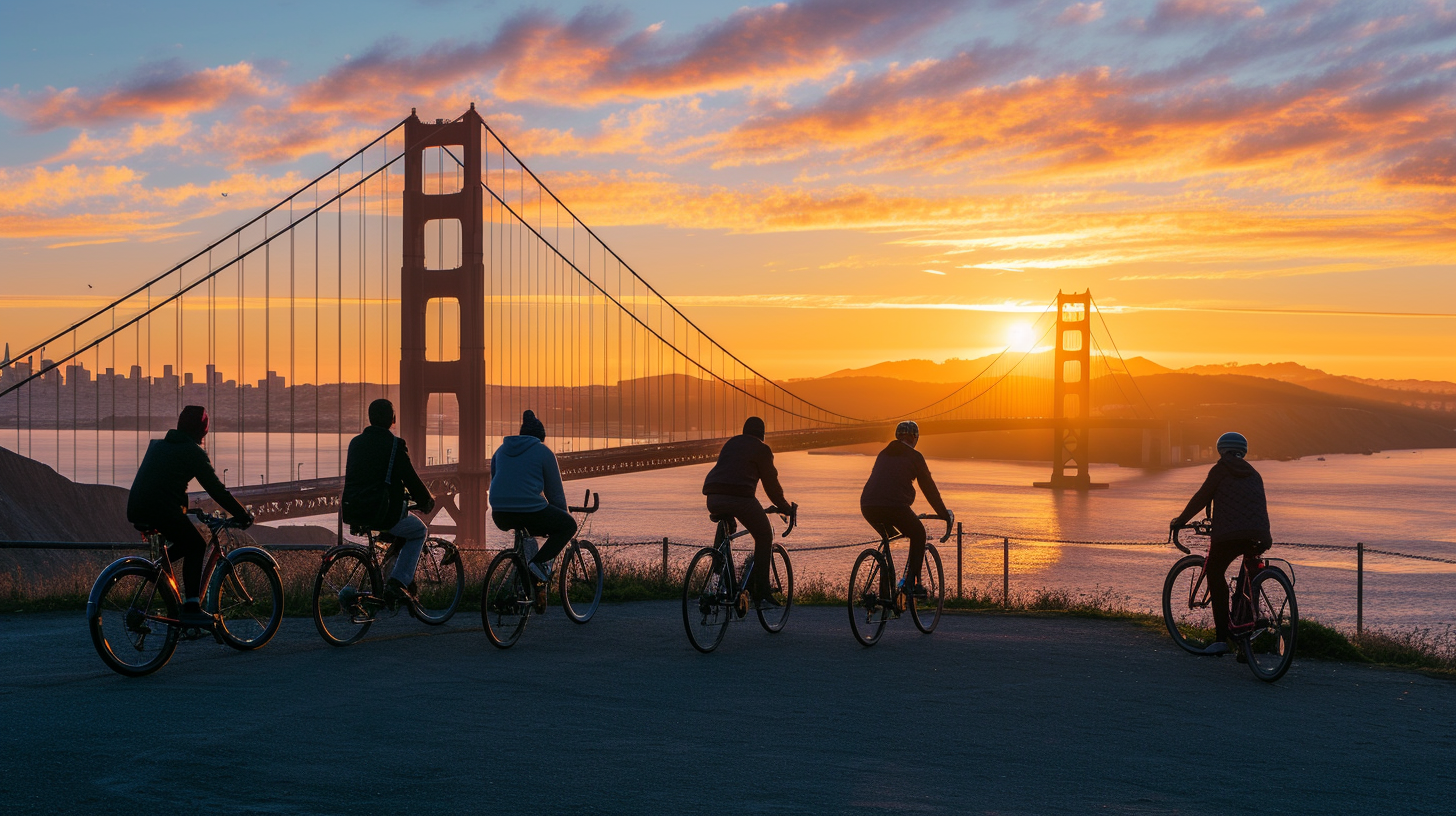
743, 462
160, 487
1235, 491
890, 482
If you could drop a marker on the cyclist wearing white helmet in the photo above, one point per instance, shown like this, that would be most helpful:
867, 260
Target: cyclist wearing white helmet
889, 493
1234, 493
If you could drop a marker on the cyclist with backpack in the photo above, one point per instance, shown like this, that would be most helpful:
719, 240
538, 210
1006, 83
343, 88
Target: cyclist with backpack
377, 475
888, 495
158, 500
731, 488
1234, 493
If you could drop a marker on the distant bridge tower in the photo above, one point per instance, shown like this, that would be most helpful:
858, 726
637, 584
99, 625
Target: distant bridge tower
1072, 393
463, 376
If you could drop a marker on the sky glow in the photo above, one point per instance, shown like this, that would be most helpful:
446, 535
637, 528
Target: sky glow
1234, 180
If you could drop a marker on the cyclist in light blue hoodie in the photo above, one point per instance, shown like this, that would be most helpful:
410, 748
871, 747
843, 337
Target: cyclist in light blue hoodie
526, 493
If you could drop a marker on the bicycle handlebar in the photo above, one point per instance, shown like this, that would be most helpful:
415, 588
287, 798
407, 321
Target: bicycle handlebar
1202, 527
791, 516
215, 521
949, 523
595, 500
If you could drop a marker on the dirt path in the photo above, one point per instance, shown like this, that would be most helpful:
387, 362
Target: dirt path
988, 715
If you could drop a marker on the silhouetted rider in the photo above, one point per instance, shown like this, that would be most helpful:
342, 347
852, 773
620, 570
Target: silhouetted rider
732, 486
1234, 491
377, 474
526, 493
158, 500
889, 493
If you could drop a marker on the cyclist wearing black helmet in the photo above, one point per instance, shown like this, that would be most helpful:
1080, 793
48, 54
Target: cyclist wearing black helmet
731, 488
1235, 493
888, 495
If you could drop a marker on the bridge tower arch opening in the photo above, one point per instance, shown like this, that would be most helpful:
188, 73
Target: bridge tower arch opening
1072, 394
427, 200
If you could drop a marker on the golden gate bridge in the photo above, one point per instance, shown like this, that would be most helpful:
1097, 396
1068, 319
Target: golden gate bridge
435, 268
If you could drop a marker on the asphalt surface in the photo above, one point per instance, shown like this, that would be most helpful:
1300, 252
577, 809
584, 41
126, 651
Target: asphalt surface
1004, 715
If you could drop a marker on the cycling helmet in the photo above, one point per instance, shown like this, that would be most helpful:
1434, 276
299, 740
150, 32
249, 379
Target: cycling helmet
1234, 442
907, 430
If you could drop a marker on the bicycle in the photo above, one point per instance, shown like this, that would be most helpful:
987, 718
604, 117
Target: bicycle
511, 594
1264, 614
713, 594
348, 589
133, 609
874, 597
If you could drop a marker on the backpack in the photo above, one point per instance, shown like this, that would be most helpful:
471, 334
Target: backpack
371, 507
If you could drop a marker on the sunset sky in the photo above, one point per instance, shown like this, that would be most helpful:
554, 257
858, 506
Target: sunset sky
821, 184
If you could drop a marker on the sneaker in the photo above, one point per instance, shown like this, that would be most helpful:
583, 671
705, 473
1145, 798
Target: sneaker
768, 602
1216, 648
542, 574
396, 592
193, 617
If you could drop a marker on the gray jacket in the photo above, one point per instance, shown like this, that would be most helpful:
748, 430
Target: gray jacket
524, 476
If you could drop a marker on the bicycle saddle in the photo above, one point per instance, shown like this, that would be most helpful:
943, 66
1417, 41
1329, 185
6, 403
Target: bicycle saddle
720, 517
147, 529
379, 535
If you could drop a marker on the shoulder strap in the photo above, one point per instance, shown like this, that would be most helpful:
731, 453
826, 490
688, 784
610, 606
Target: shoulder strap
389, 473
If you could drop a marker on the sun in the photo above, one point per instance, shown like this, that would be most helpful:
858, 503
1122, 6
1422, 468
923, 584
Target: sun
1020, 337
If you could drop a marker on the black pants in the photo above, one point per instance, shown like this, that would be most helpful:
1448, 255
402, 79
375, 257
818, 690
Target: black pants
1221, 554
901, 520
556, 524
188, 545
750, 514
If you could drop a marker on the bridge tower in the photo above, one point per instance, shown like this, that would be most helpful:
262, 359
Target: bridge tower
1071, 394
464, 376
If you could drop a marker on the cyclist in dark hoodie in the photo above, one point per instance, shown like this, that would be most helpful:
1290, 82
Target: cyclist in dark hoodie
526, 493
1235, 493
732, 488
888, 495
158, 500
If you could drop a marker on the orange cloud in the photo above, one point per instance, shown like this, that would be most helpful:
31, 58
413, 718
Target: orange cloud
162, 90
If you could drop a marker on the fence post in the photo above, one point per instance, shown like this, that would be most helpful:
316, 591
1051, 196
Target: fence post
1006, 573
960, 558
1359, 588
664, 559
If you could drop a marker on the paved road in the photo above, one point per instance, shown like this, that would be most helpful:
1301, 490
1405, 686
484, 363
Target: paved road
991, 714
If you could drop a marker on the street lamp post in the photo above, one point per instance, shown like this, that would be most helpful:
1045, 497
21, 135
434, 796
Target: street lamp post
224, 477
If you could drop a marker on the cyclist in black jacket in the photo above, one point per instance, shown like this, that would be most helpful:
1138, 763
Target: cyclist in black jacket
367, 465
732, 487
1235, 492
158, 500
889, 493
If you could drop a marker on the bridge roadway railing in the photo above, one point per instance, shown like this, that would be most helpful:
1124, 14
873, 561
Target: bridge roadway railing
316, 497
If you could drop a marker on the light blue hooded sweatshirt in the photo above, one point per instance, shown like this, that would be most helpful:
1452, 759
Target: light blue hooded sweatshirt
524, 476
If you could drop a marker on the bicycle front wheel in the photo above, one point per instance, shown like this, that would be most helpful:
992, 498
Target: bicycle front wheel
125, 625
1270, 647
781, 589
439, 582
706, 604
506, 602
926, 611
345, 594
1187, 609
871, 596
247, 595
581, 581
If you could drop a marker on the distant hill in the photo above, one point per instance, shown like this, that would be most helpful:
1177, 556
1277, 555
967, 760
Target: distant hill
954, 370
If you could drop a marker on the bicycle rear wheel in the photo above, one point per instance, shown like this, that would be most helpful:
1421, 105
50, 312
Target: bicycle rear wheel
1270, 647
926, 613
344, 595
506, 602
870, 596
124, 625
581, 581
247, 595
781, 589
439, 582
1187, 610
706, 604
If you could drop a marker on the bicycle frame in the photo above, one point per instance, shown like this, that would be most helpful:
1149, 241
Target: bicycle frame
1240, 585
